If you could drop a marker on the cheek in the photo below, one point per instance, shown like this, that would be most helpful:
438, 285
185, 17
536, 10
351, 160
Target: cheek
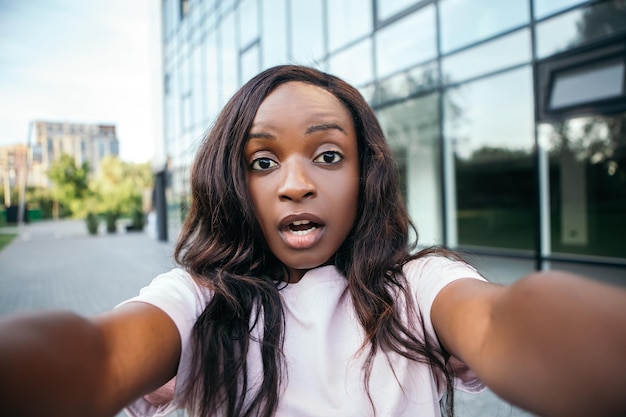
261, 199
348, 201
255, 197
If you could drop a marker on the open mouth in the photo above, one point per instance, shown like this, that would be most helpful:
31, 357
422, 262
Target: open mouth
302, 227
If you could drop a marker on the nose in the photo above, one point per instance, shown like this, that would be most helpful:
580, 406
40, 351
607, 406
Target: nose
296, 181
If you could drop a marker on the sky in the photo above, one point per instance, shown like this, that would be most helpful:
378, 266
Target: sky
81, 62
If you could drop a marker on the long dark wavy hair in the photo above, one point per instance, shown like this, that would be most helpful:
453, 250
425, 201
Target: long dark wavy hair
222, 247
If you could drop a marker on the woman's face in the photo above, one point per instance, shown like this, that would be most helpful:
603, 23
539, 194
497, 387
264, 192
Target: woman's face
303, 174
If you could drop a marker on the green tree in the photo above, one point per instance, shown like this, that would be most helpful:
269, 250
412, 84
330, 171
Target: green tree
14, 196
70, 183
40, 198
119, 186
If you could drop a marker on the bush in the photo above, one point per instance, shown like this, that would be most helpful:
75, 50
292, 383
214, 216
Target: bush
92, 223
111, 221
138, 219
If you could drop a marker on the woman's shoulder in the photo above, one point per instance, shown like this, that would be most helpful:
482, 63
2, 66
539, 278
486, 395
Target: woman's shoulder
176, 292
438, 264
431, 272
177, 279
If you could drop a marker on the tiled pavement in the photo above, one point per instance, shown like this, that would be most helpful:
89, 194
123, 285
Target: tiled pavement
53, 265
57, 265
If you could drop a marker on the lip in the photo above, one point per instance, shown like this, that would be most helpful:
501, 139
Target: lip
301, 241
287, 220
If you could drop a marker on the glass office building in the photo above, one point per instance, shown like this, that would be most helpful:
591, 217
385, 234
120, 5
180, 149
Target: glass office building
507, 118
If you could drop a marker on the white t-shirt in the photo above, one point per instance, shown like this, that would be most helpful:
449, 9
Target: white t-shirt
321, 347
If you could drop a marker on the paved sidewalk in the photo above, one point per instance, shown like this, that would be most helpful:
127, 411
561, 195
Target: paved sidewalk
57, 265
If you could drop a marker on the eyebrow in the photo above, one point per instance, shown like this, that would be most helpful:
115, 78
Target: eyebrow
260, 135
325, 126
310, 130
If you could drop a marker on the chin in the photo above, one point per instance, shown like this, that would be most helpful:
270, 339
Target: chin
310, 263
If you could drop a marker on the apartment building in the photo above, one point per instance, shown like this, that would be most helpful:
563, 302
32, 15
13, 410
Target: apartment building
84, 142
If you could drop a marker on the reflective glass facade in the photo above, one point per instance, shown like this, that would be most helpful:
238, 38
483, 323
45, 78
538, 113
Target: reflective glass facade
498, 154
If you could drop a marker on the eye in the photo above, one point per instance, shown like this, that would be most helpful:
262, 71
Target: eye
262, 164
328, 157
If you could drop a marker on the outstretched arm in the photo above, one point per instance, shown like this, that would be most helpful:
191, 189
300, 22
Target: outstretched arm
61, 364
552, 343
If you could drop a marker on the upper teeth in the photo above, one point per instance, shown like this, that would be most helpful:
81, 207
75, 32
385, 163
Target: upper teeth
299, 222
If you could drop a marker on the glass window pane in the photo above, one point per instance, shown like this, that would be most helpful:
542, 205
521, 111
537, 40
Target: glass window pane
587, 171
489, 126
171, 11
407, 42
388, 8
230, 54
343, 63
544, 8
199, 75
307, 31
250, 63
412, 129
168, 114
406, 83
225, 5
507, 51
213, 93
348, 20
185, 92
186, 111
368, 92
183, 74
176, 104
580, 26
590, 83
210, 17
248, 22
464, 22
274, 38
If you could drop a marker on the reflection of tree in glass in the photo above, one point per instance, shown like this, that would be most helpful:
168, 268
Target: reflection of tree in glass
588, 184
454, 118
601, 20
405, 84
487, 153
604, 19
598, 139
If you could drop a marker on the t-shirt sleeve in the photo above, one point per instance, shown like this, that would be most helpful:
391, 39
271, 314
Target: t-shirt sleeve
178, 295
428, 276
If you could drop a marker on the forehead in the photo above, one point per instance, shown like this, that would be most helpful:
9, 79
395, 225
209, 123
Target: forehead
302, 102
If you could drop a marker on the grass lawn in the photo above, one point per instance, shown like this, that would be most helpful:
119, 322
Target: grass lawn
5, 239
